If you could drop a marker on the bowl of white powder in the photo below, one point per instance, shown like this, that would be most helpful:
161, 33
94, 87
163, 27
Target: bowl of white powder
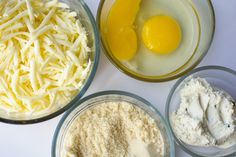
201, 112
113, 124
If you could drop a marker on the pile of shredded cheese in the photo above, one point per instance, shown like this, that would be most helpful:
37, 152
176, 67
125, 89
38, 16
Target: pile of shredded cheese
44, 55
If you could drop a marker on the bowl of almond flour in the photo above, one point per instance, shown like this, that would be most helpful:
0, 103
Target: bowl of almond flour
113, 124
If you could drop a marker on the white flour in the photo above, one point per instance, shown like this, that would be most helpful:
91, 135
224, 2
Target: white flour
114, 129
206, 115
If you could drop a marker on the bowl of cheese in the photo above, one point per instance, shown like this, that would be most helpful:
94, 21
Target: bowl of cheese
49, 51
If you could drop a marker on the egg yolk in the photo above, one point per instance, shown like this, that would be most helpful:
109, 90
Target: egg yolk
121, 36
161, 34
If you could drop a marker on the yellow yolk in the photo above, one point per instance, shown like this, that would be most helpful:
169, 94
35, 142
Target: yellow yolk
161, 34
121, 36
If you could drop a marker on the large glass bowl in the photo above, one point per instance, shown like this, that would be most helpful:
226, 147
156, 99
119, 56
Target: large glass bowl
108, 96
220, 77
203, 12
88, 22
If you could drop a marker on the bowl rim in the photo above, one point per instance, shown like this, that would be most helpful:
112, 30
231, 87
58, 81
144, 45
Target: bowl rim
86, 84
153, 79
107, 93
176, 85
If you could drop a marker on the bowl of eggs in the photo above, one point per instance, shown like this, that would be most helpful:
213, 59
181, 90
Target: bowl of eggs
156, 40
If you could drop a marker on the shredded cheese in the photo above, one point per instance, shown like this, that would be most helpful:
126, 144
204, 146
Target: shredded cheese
44, 57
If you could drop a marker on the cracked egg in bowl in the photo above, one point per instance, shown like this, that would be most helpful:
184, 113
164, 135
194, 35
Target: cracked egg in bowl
155, 40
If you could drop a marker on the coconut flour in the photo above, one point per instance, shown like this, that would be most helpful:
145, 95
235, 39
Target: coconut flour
206, 115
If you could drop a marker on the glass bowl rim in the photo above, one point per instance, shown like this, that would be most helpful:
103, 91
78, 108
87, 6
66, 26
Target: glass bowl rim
176, 85
119, 93
153, 79
86, 84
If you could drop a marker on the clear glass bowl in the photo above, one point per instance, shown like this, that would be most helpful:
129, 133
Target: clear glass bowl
89, 23
220, 77
108, 96
204, 13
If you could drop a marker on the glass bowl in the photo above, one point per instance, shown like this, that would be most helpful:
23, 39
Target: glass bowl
203, 12
108, 96
88, 21
220, 77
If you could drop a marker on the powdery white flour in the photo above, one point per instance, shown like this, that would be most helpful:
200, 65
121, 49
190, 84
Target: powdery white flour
206, 115
114, 129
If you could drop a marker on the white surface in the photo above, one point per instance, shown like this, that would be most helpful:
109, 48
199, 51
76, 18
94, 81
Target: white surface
35, 140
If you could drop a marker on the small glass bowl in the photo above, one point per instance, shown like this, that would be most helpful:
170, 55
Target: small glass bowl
204, 13
88, 21
220, 77
108, 96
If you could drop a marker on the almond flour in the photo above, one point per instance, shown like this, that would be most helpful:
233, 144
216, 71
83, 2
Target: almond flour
114, 129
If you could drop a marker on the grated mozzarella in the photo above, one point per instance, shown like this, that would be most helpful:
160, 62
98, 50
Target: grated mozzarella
43, 56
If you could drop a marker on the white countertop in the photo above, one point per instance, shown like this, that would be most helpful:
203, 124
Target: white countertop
35, 140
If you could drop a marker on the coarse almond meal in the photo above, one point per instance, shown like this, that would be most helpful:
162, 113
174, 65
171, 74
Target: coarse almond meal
113, 129
44, 57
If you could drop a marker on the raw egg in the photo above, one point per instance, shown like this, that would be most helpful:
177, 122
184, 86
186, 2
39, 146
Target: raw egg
122, 38
161, 34
150, 37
